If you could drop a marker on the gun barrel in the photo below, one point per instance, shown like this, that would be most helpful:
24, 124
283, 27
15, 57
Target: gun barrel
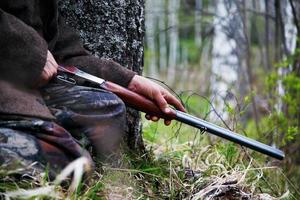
229, 135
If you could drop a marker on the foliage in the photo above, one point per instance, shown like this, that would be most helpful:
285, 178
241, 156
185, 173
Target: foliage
284, 84
286, 117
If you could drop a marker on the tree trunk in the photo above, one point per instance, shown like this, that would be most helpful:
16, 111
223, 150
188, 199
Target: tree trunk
112, 29
173, 8
150, 36
198, 8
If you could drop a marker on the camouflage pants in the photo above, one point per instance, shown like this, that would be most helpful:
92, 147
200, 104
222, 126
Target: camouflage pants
81, 113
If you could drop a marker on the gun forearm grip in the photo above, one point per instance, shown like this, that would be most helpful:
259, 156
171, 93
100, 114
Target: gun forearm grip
137, 101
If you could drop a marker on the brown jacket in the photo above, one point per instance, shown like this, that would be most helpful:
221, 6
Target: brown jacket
28, 28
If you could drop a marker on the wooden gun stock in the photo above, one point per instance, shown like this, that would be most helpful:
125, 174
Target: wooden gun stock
137, 101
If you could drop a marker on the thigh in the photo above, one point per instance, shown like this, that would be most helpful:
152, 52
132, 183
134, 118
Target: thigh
77, 107
19, 150
83, 100
91, 113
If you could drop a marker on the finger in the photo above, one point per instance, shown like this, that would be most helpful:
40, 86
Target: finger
51, 64
167, 122
161, 101
154, 118
51, 59
50, 72
148, 117
175, 102
42, 80
53, 71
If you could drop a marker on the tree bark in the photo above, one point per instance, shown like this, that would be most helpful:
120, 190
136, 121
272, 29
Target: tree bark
112, 29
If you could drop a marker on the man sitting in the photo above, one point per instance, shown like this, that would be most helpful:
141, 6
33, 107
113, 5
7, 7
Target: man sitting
42, 120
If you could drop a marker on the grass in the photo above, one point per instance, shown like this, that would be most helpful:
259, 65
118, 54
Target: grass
181, 171
182, 163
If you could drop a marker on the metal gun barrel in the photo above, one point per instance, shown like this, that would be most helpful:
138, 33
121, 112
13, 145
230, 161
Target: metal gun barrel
229, 135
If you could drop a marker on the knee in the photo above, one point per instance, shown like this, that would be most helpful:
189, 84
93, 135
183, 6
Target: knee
19, 150
118, 105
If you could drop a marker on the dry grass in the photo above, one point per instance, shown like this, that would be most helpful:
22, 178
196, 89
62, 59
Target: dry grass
183, 171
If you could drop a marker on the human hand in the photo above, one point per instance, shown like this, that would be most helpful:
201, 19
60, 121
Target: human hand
50, 70
159, 95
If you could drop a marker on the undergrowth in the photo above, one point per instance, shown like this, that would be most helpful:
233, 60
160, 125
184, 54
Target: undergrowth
174, 169
181, 171
180, 163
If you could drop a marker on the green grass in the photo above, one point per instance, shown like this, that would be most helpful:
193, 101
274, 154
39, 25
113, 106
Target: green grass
177, 171
181, 163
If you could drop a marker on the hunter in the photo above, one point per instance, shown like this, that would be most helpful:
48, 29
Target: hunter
43, 121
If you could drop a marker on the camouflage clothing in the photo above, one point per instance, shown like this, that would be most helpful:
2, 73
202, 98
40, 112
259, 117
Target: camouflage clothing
81, 112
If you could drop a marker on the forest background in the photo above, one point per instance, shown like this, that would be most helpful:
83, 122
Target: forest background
235, 63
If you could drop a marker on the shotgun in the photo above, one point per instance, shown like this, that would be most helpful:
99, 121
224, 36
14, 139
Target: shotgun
145, 105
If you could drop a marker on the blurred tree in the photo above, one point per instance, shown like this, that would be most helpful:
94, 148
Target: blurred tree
295, 6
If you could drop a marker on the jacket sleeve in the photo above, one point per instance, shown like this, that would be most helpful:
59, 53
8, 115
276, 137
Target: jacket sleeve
23, 52
69, 50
